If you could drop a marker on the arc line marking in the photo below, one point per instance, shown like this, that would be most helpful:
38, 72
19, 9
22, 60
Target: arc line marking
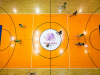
68, 36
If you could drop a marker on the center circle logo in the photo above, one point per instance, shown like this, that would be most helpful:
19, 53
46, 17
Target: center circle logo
51, 38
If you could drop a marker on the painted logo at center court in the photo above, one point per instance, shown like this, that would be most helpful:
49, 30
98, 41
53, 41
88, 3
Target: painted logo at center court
50, 37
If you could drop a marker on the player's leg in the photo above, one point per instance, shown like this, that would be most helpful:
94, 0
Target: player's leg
61, 7
76, 35
71, 15
23, 26
76, 44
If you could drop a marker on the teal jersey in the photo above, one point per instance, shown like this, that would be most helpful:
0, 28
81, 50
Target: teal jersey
64, 5
18, 40
82, 44
21, 26
80, 35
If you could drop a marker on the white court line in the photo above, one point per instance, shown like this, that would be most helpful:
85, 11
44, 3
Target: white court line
68, 35
68, 45
32, 42
51, 68
49, 13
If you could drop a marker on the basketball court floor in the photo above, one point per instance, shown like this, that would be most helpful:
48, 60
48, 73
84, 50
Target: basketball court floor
62, 57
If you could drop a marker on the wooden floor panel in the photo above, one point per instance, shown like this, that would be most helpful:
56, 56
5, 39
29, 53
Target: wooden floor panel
46, 71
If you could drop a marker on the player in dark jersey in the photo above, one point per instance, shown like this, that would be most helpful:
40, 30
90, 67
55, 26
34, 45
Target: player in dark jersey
32, 73
59, 33
47, 45
74, 13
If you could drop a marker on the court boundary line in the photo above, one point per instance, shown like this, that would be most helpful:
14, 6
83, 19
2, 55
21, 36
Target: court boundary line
32, 42
51, 68
49, 13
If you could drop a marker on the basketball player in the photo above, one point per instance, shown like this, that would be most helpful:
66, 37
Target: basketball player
18, 41
22, 26
47, 45
80, 35
74, 13
64, 6
59, 33
32, 73
81, 44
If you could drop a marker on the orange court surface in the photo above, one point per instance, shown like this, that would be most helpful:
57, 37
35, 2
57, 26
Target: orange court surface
41, 50
30, 54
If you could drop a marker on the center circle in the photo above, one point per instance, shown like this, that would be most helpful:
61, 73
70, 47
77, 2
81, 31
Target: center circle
53, 24
50, 37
